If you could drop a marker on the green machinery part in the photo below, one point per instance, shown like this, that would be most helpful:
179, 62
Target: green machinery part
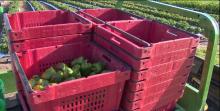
1, 16
2, 100
195, 99
1, 10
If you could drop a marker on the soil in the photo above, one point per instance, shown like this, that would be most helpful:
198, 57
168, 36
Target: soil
5, 64
24, 6
5, 3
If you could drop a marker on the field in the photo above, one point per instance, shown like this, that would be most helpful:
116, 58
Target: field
139, 8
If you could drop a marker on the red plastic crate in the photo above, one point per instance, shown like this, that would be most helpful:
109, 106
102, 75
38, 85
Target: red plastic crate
143, 85
160, 55
101, 15
41, 24
157, 83
159, 103
160, 73
181, 65
159, 38
160, 106
91, 93
19, 86
51, 41
165, 86
142, 64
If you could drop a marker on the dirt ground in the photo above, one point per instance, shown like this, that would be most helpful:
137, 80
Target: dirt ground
22, 6
5, 3
5, 64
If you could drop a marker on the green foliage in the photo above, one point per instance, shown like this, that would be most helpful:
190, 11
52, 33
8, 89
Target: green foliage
142, 9
61, 72
61, 5
3, 43
38, 6
14, 6
9, 81
201, 51
208, 6
79, 3
146, 11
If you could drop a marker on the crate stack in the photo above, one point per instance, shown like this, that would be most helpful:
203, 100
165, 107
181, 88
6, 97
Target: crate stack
30, 30
161, 58
38, 40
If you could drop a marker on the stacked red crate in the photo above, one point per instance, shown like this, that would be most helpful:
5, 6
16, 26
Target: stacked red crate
29, 30
161, 58
87, 93
40, 39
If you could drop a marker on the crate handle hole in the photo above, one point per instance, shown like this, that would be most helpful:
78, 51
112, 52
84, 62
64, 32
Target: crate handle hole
145, 51
180, 90
188, 66
185, 75
106, 58
38, 96
183, 83
191, 57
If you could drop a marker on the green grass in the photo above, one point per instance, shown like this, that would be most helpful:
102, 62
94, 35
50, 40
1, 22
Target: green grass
38, 6
201, 51
14, 6
208, 6
9, 81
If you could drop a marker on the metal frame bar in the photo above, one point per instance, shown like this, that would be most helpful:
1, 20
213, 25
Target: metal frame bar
28, 2
193, 99
21, 73
49, 5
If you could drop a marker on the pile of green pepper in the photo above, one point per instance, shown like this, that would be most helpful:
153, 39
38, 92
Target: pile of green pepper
61, 72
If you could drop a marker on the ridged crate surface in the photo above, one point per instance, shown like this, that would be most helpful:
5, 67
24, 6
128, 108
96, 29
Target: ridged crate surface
161, 64
51, 41
145, 63
91, 93
43, 24
161, 38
